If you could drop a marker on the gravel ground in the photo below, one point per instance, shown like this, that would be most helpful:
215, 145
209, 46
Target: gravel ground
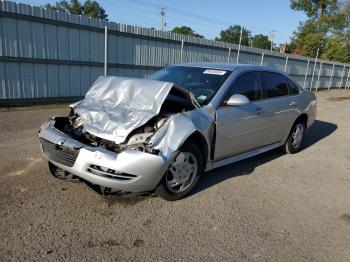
272, 207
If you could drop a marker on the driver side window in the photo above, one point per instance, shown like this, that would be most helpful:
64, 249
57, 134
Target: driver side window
248, 85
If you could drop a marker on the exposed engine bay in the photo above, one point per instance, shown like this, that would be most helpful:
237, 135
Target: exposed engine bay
177, 101
121, 114
138, 139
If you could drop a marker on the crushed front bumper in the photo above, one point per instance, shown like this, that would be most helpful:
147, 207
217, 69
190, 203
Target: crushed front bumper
130, 171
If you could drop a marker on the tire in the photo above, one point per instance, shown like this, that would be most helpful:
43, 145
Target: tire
183, 174
295, 139
61, 174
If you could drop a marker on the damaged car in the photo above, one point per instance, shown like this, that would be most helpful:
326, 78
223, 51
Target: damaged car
159, 135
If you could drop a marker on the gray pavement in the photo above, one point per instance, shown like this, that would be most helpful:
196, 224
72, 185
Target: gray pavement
273, 207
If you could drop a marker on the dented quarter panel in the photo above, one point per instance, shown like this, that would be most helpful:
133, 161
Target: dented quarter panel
181, 126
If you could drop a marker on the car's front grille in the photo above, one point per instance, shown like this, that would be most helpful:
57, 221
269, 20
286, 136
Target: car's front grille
59, 153
108, 172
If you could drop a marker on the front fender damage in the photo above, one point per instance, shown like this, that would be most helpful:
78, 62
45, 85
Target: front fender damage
150, 116
175, 132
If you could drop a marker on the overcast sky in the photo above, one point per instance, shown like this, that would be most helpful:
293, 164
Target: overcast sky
206, 17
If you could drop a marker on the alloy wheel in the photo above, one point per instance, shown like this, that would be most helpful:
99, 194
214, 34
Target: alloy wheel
297, 135
182, 172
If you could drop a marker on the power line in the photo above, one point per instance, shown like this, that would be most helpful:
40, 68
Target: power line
204, 18
121, 3
151, 9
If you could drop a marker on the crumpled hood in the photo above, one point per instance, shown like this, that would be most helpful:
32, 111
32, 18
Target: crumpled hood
115, 106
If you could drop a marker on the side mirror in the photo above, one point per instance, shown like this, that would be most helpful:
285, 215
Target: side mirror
237, 100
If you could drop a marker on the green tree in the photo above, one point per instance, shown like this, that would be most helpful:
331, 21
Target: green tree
308, 39
89, 8
338, 48
315, 8
185, 30
346, 7
94, 9
326, 20
261, 41
232, 35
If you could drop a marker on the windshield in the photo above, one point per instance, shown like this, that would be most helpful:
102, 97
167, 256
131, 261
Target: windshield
203, 83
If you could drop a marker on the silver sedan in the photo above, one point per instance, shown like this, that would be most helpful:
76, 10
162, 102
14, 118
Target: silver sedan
159, 135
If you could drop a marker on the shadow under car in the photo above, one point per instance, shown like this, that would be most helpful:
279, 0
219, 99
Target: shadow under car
318, 131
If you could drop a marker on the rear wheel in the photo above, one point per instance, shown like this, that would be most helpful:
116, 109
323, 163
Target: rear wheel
61, 174
295, 140
182, 175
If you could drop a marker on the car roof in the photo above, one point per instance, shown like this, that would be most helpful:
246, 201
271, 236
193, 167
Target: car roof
231, 67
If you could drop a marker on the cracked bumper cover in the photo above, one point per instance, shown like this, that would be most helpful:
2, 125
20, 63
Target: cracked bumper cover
147, 169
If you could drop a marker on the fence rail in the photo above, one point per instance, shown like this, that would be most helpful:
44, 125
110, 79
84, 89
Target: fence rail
51, 54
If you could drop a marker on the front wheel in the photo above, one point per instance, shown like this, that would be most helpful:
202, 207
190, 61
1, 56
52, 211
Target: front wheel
294, 142
182, 175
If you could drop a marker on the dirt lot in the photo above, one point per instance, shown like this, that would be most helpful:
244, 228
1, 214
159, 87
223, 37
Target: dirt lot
272, 207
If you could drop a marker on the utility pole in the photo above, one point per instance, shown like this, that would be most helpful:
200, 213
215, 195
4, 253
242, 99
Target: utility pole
239, 46
162, 14
272, 36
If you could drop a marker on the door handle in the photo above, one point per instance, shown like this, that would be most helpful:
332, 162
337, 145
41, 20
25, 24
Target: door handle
259, 110
293, 104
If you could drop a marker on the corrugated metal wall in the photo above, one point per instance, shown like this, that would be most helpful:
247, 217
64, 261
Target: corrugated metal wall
48, 54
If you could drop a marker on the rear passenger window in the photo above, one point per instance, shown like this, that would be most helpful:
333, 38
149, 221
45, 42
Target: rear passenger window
247, 84
293, 88
274, 84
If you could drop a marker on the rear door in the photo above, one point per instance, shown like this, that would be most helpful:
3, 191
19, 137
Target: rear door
281, 106
238, 128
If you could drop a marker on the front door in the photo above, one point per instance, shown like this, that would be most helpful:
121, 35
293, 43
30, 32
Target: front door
239, 128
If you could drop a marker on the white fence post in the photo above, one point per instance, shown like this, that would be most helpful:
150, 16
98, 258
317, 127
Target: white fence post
106, 51
262, 59
306, 72
341, 79
331, 78
347, 79
239, 46
286, 64
182, 50
313, 74
229, 55
238, 53
318, 77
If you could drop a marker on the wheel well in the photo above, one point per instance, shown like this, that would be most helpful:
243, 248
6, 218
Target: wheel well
303, 118
199, 140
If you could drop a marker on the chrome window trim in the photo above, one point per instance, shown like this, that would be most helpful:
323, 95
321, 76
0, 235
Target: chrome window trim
234, 80
283, 75
262, 99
